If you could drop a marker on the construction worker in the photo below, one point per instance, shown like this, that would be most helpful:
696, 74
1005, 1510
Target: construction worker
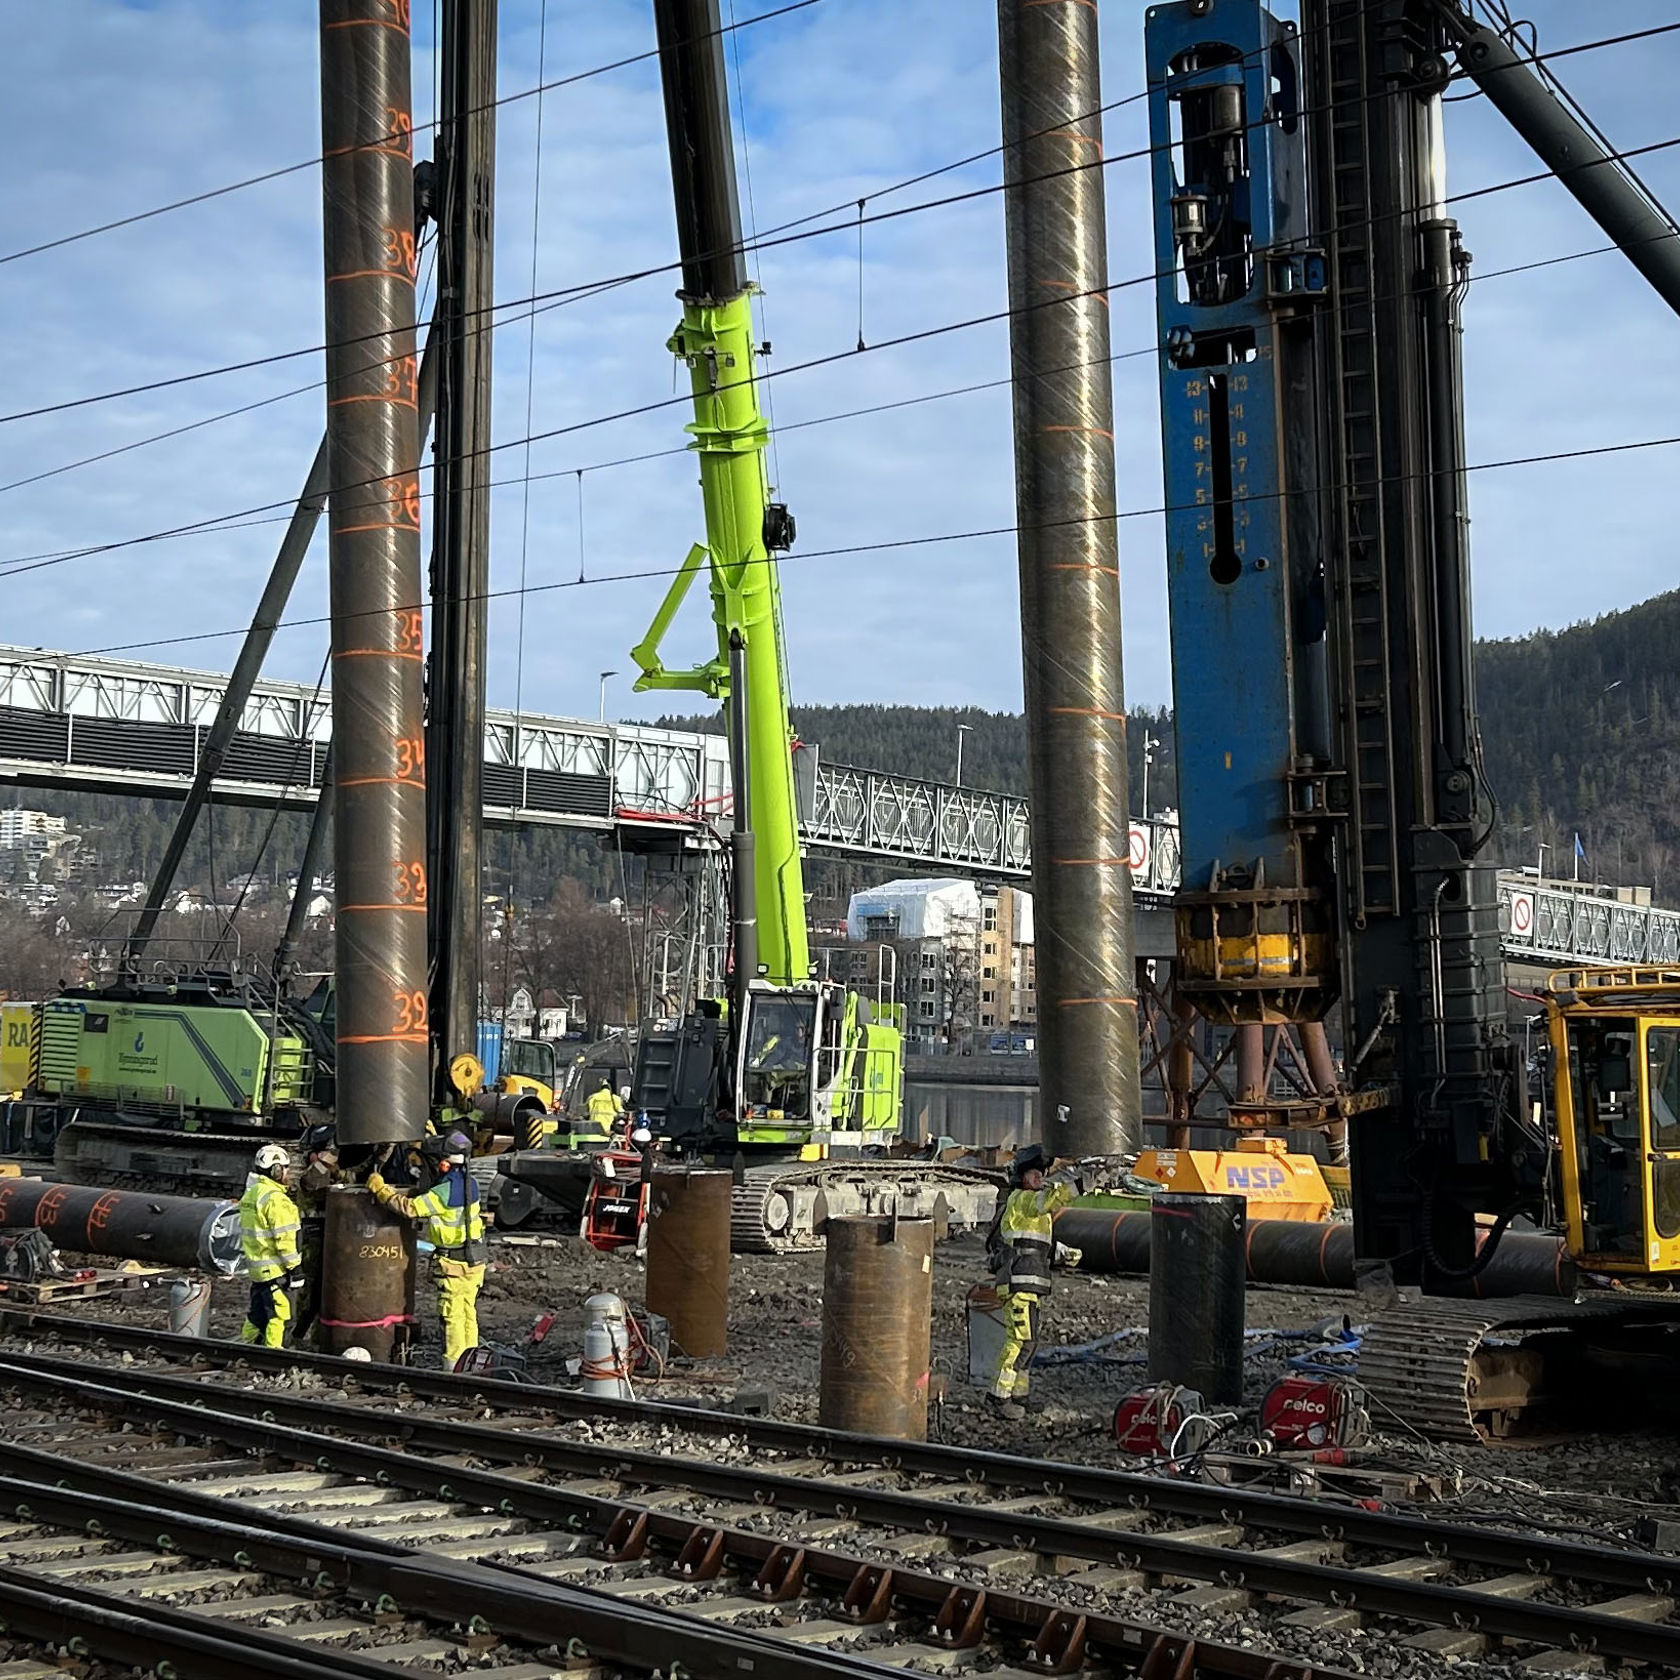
455, 1229
1022, 1249
320, 1173
268, 1236
605, 1108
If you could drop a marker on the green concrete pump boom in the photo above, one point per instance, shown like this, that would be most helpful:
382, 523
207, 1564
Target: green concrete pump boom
744, 529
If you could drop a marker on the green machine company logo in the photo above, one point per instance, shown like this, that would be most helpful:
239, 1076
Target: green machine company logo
135, 1058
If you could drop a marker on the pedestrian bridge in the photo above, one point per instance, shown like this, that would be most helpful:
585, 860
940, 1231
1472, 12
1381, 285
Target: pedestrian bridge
121, 726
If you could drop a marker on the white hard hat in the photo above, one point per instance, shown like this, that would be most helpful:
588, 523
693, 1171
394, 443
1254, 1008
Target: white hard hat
624, 1091
272, 1157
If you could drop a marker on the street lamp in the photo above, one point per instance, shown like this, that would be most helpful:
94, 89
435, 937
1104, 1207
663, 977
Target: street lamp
1150, 743
962, 730
604, 676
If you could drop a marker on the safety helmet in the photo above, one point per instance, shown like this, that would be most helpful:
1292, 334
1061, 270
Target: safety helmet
1027, 1160
273, 1160
457, 1146
641, 1133
624, 1092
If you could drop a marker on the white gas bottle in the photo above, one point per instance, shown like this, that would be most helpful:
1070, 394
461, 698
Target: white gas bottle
606, 1348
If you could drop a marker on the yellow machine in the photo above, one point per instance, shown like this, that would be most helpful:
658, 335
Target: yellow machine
1277, 1184
1615, 1043
19, 1034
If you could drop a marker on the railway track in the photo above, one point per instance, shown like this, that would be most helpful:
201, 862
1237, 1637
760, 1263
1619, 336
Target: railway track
888, 1546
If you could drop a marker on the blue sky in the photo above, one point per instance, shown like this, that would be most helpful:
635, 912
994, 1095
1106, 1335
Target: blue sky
107, 108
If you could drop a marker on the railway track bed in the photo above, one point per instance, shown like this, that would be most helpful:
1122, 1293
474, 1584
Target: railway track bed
886, 1553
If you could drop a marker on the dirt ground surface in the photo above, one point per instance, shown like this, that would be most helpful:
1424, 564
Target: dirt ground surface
1611, 1486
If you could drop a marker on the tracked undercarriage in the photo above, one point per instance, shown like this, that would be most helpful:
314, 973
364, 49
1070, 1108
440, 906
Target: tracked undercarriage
1521, 1371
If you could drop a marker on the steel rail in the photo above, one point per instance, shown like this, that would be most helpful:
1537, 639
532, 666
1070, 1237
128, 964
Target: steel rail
118, 1504
1430, 1603
85, 1622
123, 1504
1464, 1543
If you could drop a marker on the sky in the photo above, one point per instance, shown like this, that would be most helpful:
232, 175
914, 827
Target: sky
111, 107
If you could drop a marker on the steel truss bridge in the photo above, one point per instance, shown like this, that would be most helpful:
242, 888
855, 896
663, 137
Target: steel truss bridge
119, 726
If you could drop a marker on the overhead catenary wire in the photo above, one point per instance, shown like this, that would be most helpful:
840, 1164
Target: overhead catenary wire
262, 179
886, 545
242, 517
773, 239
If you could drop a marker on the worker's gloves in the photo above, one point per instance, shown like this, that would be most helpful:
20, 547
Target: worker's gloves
379, 1189
1067, 1256
1075, 1176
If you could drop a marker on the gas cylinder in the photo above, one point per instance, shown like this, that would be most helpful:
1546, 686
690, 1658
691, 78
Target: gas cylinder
606, 1349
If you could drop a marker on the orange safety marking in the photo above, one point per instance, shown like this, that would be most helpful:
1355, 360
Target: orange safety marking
1068, 1003
378, 653
377, 781
387, 1038
1093, 431
383, 525
1086, 711
412, 909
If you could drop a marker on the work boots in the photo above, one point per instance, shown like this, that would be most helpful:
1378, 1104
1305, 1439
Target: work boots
1008, 1410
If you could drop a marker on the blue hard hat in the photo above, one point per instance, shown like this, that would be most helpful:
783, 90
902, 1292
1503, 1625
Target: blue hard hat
457, 1143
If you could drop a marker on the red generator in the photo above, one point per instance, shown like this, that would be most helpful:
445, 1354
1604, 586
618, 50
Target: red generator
1162, 1422
1302, 1413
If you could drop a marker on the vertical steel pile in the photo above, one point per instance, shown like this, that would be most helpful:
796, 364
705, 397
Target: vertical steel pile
688, 1258
1070, 574
461, 520
379, 787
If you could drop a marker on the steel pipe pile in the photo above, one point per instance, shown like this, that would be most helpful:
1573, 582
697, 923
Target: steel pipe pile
166, 1230
1305, 1256
367, 1277
373, 442
1070, 575
688, 1258
877, 1317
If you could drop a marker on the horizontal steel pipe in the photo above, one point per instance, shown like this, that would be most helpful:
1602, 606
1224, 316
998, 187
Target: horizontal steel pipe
1305, 1256
125, 1224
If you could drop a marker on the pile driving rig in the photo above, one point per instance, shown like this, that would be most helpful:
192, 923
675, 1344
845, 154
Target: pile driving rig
1335, 807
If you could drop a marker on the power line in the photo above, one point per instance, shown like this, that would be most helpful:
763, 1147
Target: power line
246, 518
774, 240
211, 193
1549, 458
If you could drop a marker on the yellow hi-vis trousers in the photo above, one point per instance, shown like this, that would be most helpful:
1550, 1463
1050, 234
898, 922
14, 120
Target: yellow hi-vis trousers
1020, 1342
268, 1319
457, 1293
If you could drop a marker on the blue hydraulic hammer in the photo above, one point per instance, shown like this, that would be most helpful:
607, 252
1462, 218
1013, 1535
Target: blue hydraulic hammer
1238, 287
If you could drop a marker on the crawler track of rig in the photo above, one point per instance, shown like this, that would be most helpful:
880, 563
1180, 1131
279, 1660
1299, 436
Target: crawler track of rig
802, 1550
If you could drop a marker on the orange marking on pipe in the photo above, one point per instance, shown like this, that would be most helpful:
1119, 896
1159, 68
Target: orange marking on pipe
378, 653
1093, 431
1069, 1003
403, 28
1097, 862
1081, 566
1086, 711
1323, 1243
396, 402
376, 148
1070, 134
379, 781
1027, 5
375, 274
348, 909
384, 525
1069, 286
386, 1038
